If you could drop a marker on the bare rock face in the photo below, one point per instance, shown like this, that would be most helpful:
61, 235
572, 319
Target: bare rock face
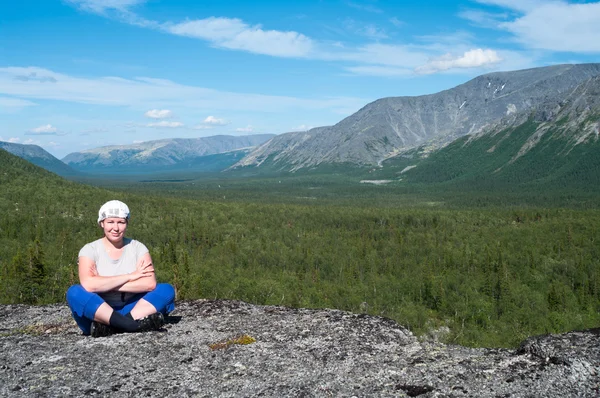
235, 349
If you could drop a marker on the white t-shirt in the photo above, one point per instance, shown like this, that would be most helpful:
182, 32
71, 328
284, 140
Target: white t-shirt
133, 251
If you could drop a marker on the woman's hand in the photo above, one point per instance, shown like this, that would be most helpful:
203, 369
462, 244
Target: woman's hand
144, 268
140, 280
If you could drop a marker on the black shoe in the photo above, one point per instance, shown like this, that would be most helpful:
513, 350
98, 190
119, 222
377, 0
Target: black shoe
151, 322
101, 330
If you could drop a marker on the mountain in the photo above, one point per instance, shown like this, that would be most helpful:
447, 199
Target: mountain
36, 203
39, 157
176, 153
391, 126
556, 144
14, 167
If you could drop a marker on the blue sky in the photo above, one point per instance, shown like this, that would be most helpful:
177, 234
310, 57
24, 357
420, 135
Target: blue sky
78, 74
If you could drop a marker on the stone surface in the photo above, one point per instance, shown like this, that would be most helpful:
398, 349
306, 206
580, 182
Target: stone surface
297, 353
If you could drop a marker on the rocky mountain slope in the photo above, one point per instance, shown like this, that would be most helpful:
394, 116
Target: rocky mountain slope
160, 153
574, 117
39, 157
285, 352
558, 142
389, 126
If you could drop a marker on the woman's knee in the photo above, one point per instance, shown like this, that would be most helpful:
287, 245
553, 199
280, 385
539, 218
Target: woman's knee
162, 298
73, 293
166, 291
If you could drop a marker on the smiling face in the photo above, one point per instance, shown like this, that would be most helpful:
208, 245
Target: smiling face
114, 229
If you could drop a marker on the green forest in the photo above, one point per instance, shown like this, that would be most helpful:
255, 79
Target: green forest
495, 267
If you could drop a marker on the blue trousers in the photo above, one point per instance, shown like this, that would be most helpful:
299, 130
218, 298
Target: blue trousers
84, 304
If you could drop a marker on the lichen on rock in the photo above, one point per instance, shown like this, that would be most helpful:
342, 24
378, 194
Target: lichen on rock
296, 352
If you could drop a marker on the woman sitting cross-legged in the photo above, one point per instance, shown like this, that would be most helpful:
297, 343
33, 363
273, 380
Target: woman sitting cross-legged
118, 290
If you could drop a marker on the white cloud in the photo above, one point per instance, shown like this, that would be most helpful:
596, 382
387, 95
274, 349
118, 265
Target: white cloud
246, 129
159, 114
364, 7
14, 104
93, 131
101, 6
559, 27
33, 76
368, 30
515, 60
387, 60
396, 22
380, 54
458, 41
302, 127
385, 71
142, 91
165, 123
46, 129
31, 141
518, 5
13, 140
211, 120
484, 19
553, 25
234, 34
470, 59
372, 31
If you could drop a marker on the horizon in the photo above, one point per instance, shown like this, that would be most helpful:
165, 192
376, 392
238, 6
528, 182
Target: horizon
80, 74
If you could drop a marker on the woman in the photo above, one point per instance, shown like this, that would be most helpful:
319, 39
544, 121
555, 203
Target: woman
118, 290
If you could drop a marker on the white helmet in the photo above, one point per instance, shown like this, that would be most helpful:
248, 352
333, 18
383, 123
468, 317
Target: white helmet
113, 208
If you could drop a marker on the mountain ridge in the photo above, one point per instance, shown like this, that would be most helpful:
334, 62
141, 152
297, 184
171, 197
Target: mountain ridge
559, 97
388, 126
39, 156
160, 153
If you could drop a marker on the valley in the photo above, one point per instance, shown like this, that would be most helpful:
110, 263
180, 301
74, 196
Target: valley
493, 267
490, 232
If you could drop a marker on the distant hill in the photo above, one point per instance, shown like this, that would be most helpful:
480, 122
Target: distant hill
39, 157
168, 154
394, 126
36, 203
28, 184
533, 126
13, 166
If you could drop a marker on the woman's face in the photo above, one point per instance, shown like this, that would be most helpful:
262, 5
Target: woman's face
114, 228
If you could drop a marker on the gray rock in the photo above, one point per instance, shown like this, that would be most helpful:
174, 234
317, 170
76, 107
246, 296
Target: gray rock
297, 353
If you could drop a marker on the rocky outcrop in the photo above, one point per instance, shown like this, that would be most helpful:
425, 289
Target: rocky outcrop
284, 352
